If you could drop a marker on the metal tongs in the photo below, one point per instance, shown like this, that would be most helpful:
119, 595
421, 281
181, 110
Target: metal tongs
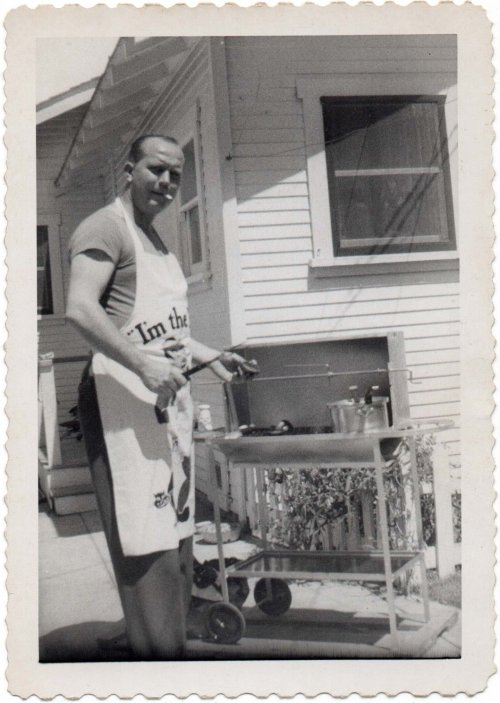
248, 369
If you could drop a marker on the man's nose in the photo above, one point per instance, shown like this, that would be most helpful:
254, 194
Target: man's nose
165, 179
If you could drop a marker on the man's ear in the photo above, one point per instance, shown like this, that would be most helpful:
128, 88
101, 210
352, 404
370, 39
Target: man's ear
129, 167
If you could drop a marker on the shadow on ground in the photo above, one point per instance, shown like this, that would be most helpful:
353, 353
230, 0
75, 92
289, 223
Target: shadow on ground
80, 642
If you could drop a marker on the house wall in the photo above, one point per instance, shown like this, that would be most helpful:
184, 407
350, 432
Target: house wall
56, 335
281, 300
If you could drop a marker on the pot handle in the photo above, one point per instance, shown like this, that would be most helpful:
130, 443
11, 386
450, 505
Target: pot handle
426, 424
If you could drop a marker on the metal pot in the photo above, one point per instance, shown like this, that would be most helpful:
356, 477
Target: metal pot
359, 416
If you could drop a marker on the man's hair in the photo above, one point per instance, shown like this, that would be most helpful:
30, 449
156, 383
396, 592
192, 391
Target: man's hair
135, 151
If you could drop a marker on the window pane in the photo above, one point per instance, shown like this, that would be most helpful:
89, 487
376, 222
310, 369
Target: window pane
195, 235
44, 287
42, 244
184, 243
188, 182
372, 135
388, 174
390, 210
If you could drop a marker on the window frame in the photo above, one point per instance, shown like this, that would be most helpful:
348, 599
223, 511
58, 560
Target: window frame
310, 89
344, 246
53, 223
191, 132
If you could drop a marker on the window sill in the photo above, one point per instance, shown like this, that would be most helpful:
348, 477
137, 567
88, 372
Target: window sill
57, 318
389, 269
199, 282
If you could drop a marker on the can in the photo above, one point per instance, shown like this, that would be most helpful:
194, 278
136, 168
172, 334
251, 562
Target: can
204, 418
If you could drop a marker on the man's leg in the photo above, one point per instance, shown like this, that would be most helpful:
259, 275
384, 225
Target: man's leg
93, 435
154, 587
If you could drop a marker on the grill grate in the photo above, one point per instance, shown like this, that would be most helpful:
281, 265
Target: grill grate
271, 431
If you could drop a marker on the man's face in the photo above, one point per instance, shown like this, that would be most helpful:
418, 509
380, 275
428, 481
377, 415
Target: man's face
156, 176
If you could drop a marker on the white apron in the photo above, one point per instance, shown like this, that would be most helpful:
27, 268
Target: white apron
152, 463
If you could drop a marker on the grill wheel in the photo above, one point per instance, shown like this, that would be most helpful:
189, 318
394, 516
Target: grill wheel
225, 623
273, 596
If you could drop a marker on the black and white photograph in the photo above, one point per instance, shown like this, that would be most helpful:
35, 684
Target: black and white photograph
250, 345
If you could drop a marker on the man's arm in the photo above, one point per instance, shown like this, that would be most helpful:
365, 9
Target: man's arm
90, 273
225, 364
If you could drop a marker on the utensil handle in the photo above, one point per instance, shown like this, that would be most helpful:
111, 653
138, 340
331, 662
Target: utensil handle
200, 367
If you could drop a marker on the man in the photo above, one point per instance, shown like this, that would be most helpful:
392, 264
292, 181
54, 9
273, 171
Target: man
127, 297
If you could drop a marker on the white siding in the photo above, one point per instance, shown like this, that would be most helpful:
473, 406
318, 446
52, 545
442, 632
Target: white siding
280, 300
56, 335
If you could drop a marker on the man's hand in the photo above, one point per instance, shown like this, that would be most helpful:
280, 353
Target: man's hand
236, 364
161, 376
225, 364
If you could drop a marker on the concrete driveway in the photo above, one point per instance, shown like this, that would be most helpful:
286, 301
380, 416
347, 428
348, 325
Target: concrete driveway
79, 605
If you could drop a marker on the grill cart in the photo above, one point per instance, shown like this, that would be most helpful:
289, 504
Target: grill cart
346, 407
328, 450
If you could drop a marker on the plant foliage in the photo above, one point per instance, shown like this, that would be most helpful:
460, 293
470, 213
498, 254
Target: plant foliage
306, 504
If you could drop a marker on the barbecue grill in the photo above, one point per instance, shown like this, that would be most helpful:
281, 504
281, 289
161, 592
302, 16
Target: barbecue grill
282, 419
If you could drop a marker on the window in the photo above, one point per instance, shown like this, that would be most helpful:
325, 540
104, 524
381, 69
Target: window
49, 274
183, 224
382, 172
45, 304
190, 205
388, 174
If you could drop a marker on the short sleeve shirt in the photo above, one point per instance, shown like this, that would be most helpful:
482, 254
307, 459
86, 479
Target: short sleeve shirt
106, 231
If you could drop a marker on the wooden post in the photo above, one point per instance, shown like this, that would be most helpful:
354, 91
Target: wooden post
274, 511
262, 508
338, 535
47, 394
353, 536
328, 538
251, 502
237, 476
368, 521
444, 512
411, 494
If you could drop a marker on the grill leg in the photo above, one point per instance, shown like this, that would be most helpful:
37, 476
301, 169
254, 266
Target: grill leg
215, 501
420, 532
382, 510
